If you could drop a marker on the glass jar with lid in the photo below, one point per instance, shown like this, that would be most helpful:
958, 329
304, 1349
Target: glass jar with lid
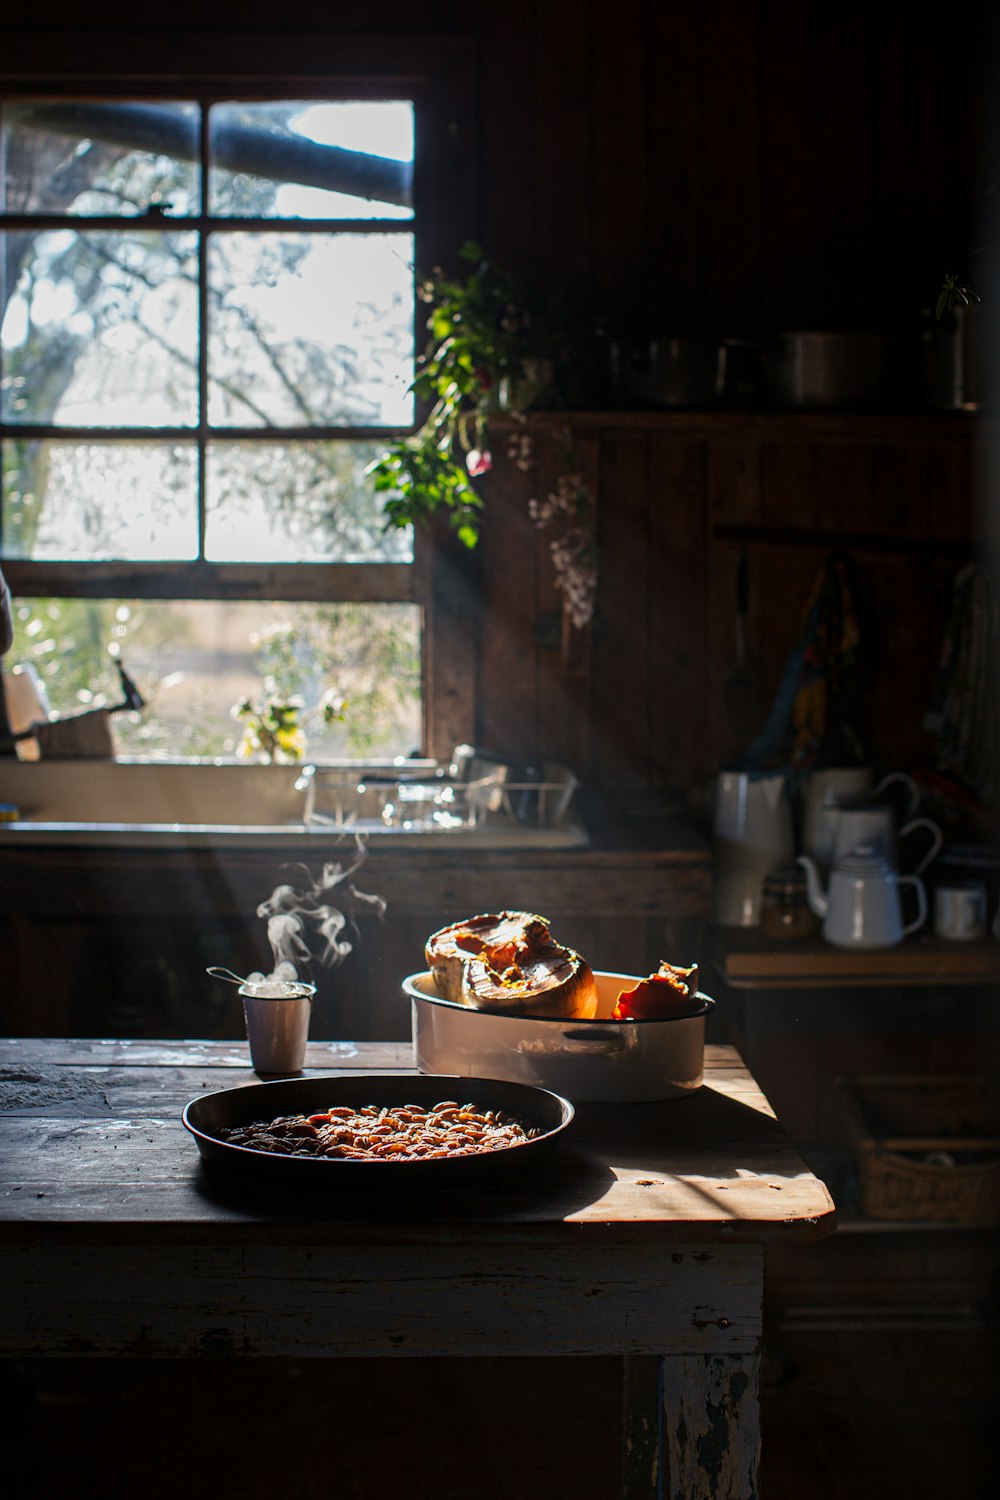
785, 911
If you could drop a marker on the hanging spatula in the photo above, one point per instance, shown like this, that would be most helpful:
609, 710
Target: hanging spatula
741, 684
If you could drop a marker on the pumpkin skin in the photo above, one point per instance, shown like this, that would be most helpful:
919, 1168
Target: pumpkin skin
671, 991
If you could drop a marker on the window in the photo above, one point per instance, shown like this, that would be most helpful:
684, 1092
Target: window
208, 332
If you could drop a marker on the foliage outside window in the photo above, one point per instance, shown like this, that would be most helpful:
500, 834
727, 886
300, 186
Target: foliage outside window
206, 340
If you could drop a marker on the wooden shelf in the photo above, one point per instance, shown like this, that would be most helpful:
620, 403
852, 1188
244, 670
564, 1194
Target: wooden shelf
845, 541
766, 426
858, 1225
745, 960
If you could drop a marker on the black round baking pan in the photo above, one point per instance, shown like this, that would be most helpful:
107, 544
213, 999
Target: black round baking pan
210, 1115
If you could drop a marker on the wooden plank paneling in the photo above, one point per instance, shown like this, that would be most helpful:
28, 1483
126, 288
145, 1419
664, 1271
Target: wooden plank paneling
789, 489
678, 614
509, 130
676, 206
789, 181
508, 674
622, 665
450, 643
624, 180
843, 489
952, 489
902, 498
565, 724
731, 165
563, 149
733, 496
842, 81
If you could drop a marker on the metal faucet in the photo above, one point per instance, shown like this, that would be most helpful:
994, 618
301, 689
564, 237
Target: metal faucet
133, 699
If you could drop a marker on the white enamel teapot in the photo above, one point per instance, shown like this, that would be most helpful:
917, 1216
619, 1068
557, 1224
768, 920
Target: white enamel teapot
861, 907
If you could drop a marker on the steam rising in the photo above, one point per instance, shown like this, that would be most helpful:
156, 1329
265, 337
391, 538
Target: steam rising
303, 926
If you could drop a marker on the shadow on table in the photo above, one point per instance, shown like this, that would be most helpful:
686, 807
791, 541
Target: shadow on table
557, 1183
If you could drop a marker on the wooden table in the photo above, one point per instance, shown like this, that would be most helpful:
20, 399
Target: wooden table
643, 1237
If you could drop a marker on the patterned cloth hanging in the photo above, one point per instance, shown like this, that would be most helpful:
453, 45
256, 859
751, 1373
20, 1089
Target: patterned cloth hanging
816, 718
962, 712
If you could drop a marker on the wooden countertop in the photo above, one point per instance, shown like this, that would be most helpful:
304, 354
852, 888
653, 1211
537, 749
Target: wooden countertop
669, 874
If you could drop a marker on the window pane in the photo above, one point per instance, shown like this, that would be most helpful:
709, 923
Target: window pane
299, 502
101, 329
84, 157
100, 502
195, 663
310, 329
347, 160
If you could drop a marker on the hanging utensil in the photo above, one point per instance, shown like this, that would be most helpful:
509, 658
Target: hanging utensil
741, 685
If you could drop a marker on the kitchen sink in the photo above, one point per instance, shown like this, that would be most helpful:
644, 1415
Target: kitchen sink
233, 802
122, 791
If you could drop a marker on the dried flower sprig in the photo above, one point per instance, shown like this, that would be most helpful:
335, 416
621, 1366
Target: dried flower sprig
567, 512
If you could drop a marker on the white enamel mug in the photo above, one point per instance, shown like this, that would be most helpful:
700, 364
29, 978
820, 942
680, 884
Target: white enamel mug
960, 911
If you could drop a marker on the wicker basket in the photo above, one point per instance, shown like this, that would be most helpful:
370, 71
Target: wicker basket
927, 1147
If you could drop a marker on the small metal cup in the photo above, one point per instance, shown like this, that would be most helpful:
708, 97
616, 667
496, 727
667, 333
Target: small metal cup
278, 1026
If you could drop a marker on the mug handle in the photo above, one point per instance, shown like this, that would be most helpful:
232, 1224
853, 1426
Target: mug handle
900, 778
921, 916
937, 839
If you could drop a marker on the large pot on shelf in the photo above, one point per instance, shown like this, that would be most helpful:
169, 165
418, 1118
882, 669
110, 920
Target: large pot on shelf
827, 370
600, 1061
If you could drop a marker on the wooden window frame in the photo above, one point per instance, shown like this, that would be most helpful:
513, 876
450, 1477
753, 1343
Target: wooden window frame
438, 75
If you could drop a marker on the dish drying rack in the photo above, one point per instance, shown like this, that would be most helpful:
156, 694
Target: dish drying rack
427, 797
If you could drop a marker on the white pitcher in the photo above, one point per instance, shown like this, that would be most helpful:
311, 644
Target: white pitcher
874, 823
861, 908
752, 835
837, 786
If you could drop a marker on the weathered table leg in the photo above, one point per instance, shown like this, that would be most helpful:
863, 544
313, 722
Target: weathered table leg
642, 1419
691, 1427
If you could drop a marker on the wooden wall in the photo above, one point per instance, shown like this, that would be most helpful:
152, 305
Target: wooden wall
638, 702
727, 166
741, 165
737, 164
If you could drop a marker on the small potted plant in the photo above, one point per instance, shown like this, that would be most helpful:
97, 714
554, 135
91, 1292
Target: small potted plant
954, 354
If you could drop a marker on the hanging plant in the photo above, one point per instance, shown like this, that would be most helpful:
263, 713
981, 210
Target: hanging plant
484, 346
